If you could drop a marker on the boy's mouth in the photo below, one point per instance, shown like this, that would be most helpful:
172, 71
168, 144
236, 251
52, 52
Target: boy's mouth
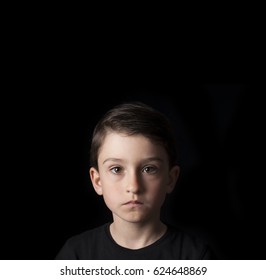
133, 202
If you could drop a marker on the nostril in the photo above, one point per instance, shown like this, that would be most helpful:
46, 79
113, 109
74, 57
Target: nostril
134, 189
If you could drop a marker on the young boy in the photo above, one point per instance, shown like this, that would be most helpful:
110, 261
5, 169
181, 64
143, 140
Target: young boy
134, 166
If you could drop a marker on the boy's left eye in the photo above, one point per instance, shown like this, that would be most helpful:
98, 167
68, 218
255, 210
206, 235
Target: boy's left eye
149, 169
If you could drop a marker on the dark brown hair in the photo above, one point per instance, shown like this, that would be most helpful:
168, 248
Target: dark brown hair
134, 118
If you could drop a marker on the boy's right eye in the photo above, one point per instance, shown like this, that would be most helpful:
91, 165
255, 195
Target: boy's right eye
116, 170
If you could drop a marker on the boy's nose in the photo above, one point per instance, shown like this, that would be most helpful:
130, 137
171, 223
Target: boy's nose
133, 184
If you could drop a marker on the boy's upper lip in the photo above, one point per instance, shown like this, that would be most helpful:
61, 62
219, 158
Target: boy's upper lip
133, 202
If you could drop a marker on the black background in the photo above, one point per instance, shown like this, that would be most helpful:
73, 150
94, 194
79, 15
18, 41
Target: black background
46, 194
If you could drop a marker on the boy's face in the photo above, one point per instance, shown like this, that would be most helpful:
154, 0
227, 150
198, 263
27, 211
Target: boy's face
133, 177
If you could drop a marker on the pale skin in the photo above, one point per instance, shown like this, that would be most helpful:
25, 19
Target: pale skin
134, 177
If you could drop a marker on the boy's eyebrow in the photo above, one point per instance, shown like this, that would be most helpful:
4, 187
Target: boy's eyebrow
144, 160
111, 159
153, 159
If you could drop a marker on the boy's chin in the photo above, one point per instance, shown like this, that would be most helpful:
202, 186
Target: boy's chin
136, 218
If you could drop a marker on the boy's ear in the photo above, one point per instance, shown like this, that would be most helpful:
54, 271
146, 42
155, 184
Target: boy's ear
173, 176
96, 181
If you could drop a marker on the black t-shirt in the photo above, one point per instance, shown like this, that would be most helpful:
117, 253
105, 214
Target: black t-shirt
98, 244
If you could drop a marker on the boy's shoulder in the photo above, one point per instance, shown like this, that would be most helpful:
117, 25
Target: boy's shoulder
89, 234
82, 245
190, 241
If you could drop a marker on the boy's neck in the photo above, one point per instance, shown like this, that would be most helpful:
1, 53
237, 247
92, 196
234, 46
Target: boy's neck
135, 235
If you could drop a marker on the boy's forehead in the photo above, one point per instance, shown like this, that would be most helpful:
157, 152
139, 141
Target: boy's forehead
114, 138
118, 145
